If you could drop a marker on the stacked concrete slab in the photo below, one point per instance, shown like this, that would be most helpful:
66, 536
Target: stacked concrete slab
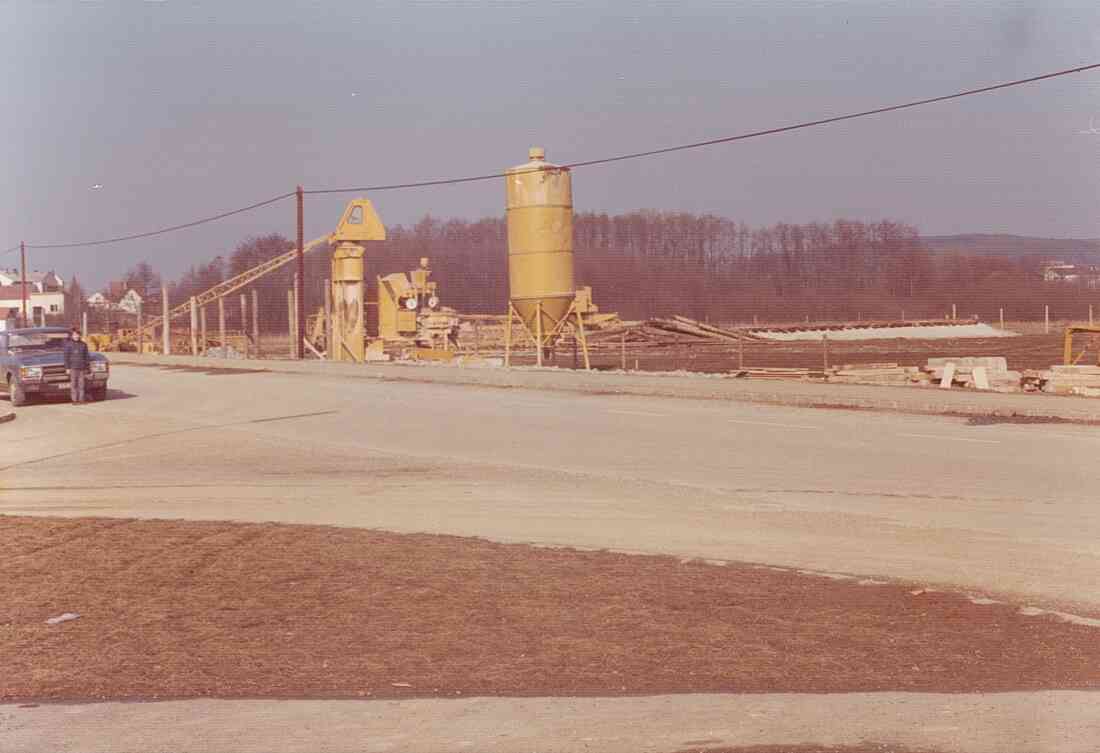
975, 372
1072, 380
877, 373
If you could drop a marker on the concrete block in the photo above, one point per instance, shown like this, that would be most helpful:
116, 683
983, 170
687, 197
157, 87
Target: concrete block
948, 376
981, 378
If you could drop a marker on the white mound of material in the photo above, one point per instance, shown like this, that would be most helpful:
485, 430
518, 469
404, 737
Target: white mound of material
929, 332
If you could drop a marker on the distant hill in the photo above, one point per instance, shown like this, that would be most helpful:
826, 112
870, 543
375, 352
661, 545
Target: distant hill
1075, 250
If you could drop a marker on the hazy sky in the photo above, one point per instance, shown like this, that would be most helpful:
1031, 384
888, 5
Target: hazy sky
181, 110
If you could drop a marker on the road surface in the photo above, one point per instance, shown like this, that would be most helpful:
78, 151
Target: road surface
1002, 509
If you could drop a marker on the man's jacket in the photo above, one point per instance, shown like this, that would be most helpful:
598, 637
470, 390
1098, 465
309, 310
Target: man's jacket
76, 355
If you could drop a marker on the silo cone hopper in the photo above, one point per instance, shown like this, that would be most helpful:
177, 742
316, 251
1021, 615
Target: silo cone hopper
542, 292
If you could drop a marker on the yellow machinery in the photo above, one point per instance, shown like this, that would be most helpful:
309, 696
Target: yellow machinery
401, 299
1067, 349
542, 292
359, 224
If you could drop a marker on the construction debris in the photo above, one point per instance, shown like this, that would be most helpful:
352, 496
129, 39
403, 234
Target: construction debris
975, 372
677, 330
1072, 380
878, 373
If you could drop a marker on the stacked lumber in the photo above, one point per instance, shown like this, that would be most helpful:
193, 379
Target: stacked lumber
976, 372
1072, 380
877, 373
890, 324
658, 332
778, 373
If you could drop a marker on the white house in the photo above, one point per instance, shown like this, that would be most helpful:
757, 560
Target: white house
45, 294
131, 302
97, 300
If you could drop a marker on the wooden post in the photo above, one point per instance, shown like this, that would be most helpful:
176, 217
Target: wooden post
1090, 314
477, 337
1002, 312
825, 349
194, 327
330, 341
290, 306
1046, 319
140, 330
256, 322
622, 345
166, 326
244, 323
954, 312
741, 354
202, 330
221, 327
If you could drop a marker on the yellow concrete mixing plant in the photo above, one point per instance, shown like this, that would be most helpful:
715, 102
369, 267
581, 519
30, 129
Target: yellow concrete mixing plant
541, 287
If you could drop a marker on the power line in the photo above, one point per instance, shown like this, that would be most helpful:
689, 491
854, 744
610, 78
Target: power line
584, 163
727, 139
164, 230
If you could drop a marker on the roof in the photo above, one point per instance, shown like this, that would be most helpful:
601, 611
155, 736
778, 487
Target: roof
38, 330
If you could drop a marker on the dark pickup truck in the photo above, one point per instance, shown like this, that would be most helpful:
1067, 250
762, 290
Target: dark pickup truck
32, 363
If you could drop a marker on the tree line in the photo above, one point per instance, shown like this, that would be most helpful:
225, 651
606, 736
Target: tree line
652, 263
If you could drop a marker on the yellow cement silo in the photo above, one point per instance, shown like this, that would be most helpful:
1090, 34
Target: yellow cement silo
541, 288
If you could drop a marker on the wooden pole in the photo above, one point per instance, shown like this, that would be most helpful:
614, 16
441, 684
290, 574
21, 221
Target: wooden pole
1090, 314
166, 326
140, 330
330, 341
622, 347
1002, 312
954, 312
256, 322
23, 280
202, 330
300, 281
194, 326
244, 322
1046, 318
477, 337
290, 306
221, 326
741, 354
825, 349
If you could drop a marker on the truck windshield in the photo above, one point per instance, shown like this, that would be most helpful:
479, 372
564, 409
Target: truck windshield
37, 341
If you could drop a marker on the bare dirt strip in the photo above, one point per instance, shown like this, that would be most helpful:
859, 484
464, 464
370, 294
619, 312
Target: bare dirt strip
177, 609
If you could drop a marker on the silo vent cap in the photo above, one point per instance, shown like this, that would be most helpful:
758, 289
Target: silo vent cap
536, 154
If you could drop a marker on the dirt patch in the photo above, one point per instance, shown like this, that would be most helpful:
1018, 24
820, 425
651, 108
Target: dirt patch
809, 748
184, 609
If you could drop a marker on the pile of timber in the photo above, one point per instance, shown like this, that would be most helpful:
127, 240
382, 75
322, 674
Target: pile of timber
1072, 380
975, 372
877, 373
837, 326
778, 373
676, 330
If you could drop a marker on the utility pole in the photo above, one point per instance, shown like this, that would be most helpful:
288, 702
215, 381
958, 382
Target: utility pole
23, 285
299, 283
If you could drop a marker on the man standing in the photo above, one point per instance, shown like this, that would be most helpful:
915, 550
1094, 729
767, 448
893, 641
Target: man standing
76, 361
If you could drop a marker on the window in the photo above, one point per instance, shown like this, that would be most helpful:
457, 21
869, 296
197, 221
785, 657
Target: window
53, 308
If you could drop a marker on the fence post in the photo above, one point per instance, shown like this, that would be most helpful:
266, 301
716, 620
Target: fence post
256, 322
741, 353
140, 330
954, 312
194, 327
1046, 319
166, 335
244, 323
202, 330
221, 327
1090, 314
1002, 318
825, 350
622, 342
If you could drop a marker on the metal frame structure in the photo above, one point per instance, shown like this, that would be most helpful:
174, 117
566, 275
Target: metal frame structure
234, 284
545, 342
1067, 348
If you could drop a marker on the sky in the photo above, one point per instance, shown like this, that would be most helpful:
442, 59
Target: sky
180, 110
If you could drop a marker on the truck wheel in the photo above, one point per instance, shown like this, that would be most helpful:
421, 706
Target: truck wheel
16, 393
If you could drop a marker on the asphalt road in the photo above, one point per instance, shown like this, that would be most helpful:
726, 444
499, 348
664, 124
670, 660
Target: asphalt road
1000, 509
